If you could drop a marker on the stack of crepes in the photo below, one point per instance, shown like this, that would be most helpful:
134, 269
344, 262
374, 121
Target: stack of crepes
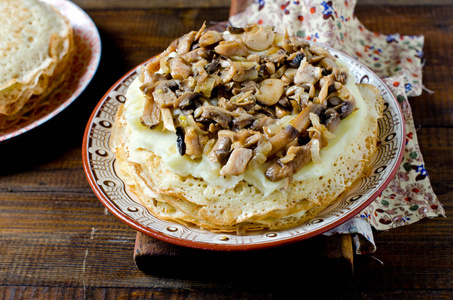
398, 60
36, 45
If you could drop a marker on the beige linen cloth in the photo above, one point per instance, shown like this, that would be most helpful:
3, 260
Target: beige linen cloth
397, 59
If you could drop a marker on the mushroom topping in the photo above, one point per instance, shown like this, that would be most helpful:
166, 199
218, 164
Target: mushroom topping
247, 98
237, 162
270, 91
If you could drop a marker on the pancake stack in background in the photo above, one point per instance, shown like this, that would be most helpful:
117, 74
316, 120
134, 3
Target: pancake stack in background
36, 48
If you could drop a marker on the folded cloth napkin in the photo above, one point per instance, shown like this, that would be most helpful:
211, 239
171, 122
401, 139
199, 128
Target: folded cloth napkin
397, 59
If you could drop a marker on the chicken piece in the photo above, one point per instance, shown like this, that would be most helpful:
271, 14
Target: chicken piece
179, 69
307, 74
237, 162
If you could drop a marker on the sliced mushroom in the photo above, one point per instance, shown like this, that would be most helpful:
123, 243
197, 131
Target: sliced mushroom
150, 83
295, 62
213, 114
261, 122
320, 51
282, 138
180, 140
302, 120
293, 161
188, 101
348, 106
270, 91
221, 150
332, 119
342, 76
213, 66
345, 109
334, 101
237, 162
290, 132
235, 30
278, 57
227, 74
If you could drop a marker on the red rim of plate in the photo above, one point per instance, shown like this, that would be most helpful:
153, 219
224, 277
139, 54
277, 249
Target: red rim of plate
223, 247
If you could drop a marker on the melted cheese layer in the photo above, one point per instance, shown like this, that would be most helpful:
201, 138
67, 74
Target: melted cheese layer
163, 144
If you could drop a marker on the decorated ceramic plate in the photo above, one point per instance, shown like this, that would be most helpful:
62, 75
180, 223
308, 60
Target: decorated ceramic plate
99, 164
86, 61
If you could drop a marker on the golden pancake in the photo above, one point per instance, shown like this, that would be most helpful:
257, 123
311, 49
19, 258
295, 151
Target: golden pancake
37, 47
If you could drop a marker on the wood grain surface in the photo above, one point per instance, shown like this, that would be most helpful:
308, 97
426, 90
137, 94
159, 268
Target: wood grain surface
57, 241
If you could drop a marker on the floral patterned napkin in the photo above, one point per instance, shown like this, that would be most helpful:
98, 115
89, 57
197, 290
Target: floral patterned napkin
395, 58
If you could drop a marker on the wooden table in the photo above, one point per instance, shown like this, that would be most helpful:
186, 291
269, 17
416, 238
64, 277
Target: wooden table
57, 240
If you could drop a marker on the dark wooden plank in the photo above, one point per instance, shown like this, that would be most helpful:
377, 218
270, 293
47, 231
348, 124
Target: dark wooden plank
159, 258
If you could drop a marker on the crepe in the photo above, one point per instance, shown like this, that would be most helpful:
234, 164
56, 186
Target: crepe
36, 43
198, 191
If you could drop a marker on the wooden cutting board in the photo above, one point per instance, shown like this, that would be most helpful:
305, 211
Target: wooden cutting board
156, 257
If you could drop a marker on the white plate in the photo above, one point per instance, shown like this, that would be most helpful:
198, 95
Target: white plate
86, 61
99, 167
